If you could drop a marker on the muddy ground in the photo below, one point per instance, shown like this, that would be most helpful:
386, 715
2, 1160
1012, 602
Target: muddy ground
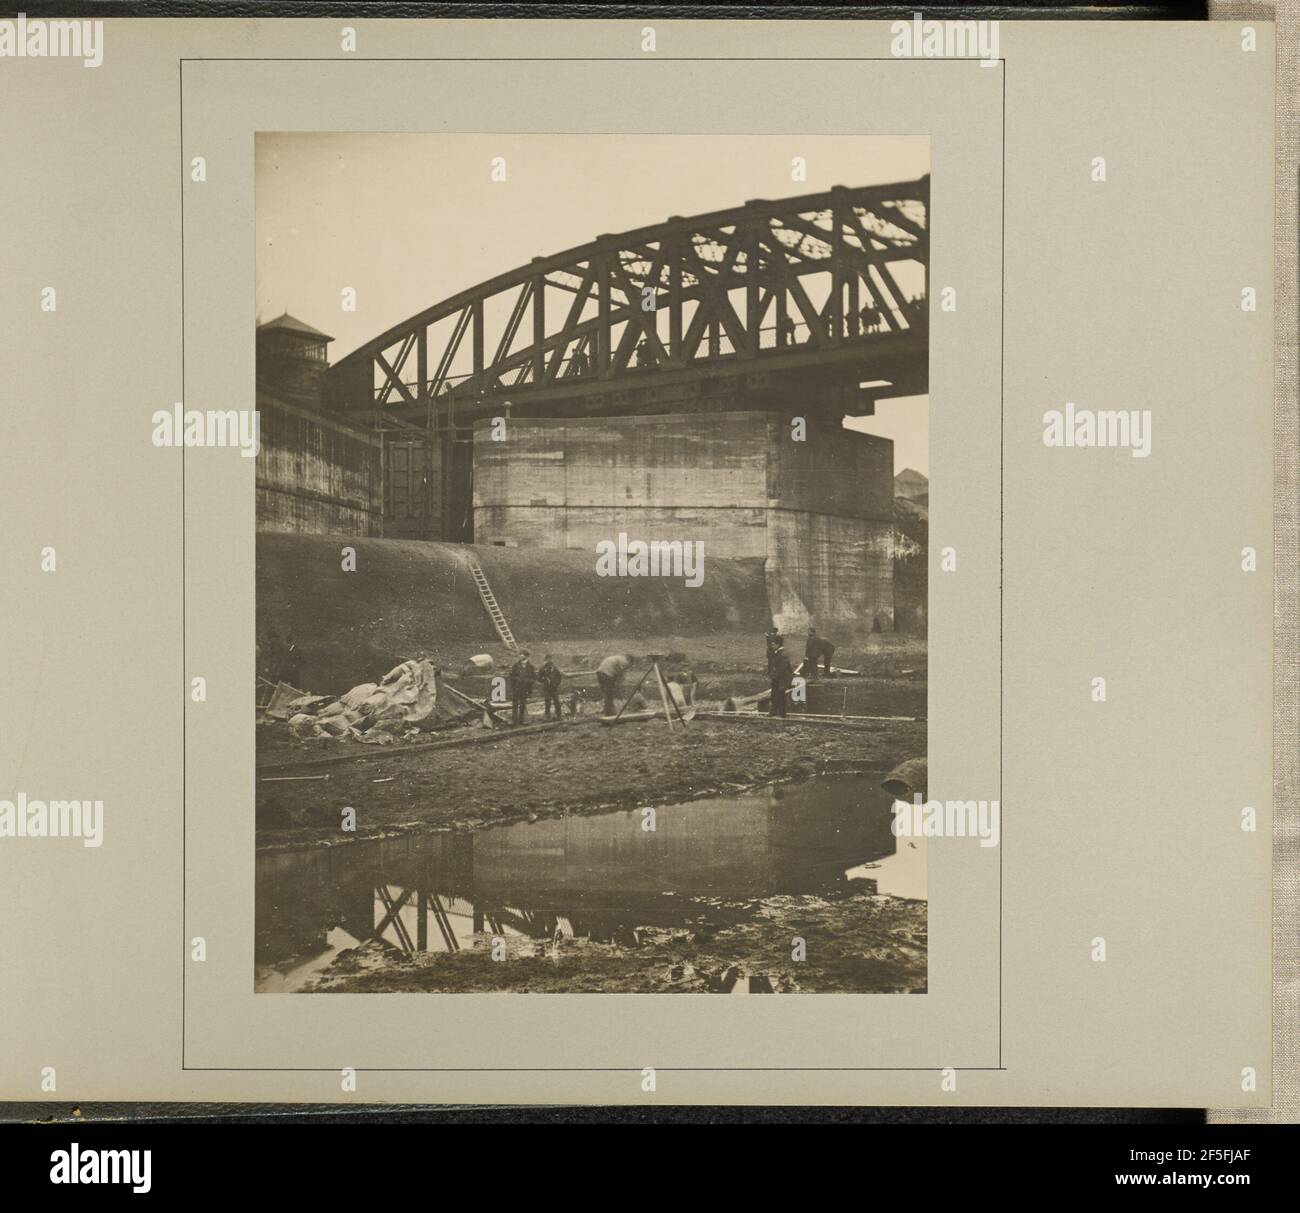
583, 766
854, 942
577, 768
325, 630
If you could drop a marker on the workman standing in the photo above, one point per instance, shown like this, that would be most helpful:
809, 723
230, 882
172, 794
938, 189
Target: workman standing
782, 679
773, 642
549, 677
522, 676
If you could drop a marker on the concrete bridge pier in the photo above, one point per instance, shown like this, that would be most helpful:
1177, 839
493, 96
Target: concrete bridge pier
817, 511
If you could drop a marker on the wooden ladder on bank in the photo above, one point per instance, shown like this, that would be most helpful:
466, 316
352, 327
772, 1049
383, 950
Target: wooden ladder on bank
490, 604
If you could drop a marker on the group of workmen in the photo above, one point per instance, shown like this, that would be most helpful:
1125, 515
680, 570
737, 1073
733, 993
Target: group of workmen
611, 671
781, 674
524, 676
609, 677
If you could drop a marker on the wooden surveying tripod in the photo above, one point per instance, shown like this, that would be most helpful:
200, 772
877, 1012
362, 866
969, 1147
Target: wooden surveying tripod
671, 709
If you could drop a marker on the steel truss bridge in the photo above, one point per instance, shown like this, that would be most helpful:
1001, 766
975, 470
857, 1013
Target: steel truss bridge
825, 296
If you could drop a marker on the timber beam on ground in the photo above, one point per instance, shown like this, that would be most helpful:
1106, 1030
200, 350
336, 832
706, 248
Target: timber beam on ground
859, 722
363, 751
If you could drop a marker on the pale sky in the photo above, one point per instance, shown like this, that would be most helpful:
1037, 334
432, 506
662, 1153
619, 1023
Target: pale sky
907, 421
407, 220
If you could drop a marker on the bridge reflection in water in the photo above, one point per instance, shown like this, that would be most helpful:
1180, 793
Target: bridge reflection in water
601, 878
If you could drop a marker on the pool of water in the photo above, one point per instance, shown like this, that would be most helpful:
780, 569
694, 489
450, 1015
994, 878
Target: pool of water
599, 877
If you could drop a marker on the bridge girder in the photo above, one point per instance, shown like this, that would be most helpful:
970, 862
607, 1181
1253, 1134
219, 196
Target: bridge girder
830, 285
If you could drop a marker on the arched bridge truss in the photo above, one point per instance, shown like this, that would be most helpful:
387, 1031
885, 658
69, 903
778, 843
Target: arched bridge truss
750, 300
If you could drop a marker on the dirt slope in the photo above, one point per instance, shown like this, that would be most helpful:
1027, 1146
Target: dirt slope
408, 597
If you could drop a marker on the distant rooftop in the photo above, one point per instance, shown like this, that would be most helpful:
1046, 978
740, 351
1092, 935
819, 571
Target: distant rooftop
292, 324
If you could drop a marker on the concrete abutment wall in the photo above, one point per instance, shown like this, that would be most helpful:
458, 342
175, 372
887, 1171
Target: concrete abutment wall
819, 512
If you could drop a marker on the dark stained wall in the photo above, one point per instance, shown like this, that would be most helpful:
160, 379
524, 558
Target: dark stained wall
315, 476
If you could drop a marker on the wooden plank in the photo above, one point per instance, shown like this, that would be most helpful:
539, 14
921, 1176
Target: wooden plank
651, 714
361, 751
482, 705
808, 718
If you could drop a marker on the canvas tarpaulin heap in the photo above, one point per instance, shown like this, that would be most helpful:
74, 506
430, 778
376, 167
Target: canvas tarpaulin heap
378, 712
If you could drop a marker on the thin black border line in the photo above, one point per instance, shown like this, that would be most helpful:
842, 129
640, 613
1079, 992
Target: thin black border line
341, 58
935, 1069
185, 702
1002, 521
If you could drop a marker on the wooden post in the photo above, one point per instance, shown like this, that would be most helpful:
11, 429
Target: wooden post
663, 694
638, 686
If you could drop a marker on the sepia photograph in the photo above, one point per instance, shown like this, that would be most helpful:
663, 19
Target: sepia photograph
492, 455
591, 567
